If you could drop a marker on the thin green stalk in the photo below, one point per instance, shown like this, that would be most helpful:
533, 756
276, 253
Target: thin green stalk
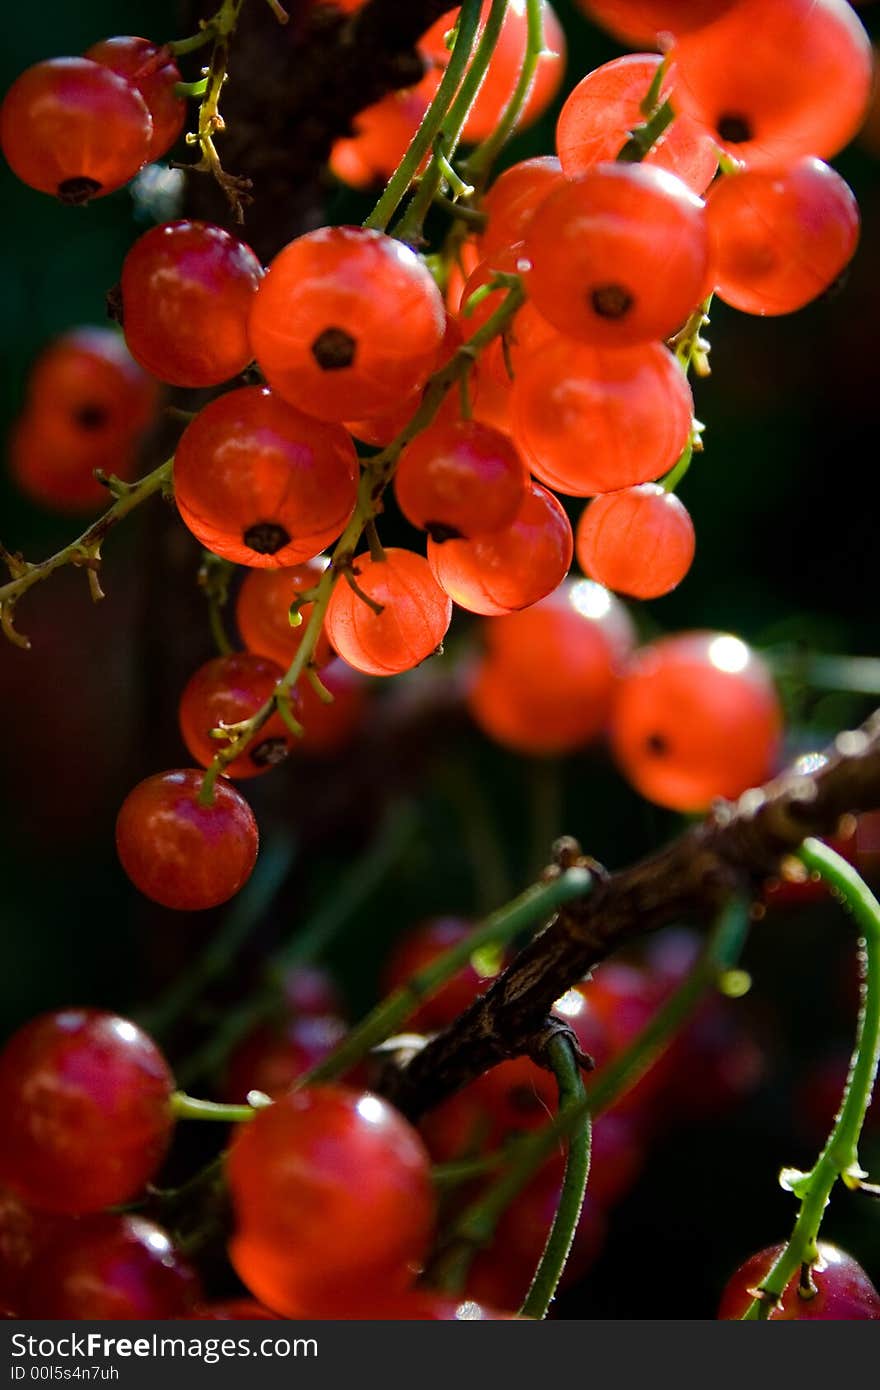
672, 479
542, 1290
184, 1107
409, 228
839, 1158
480, 161
536, 903
422, 142
645, 136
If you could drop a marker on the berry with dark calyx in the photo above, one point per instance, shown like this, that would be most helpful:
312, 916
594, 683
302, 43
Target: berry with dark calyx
780, 237
227, 690
414, 618
460, 479
91, 1095
61, 476
180, 853
511, 568
186, 292
591, 421
89, 393
605, 107
696, 717
150, 69
260, 483
619, 256
75, 129
109, 1268
638, 542
262, 612
843, 1291
774, 82
319, 1159
320, 323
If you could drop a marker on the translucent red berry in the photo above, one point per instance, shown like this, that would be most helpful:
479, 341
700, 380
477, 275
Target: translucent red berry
638, 542
513, 199
460, 479
382, 133
151, 69
844, 1293
89, 392
640, 21
262, 612
414, 619
591, 421
696, 717
75, 129
511, 568
110, 1268
262, 484
618, 256
186, 292
91, 1094
320, 323
780, 237
774, 82
606, 106
62, 476
227, 690
180, 853
328, 1159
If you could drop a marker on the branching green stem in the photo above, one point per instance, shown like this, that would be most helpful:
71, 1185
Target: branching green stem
479, 162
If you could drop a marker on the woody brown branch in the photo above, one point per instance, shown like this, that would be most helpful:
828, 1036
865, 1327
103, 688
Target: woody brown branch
732, 850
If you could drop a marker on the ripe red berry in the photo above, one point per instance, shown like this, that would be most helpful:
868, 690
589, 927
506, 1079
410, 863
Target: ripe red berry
112, 1267
90, 1093
89, 393
639, 21
696, 717
328, 1159
511, 568
417, 950
415, 616
639, 541
331, 727
382, 134
319, 327
547, 681
179, 853
73, 128
774, 82
605, 106
262, 612
514, 198
524, 338
227, 690
59, 476
24, 1234
844, 1291
152, 71
187, 289
261, 484
460, 479
780, 237
593, 421
271, 1057
618, 256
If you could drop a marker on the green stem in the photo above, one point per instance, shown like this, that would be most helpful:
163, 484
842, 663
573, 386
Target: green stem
409, 228
840, 1158
480, 161
644, 137
432, 122
536, 903
191, 89
561, 1058
677, 472
185, 1107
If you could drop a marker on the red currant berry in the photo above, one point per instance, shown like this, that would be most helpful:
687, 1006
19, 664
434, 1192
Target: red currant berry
844, 1293
696, 717
261, 484
187, 289
73, 128
152, 71
417, 950
91, 1096
24, 1233
328, 1159
776, 82
780, 237
619, 256
415, 615
320, 323
179, 853
460, 479
639, 541
271, 1058
59, 476
593, 421
640, 21
227, 690
332, 726
512, 568
382, 134
514, 198
89, 393
112, 1267
605, 106
262, 612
